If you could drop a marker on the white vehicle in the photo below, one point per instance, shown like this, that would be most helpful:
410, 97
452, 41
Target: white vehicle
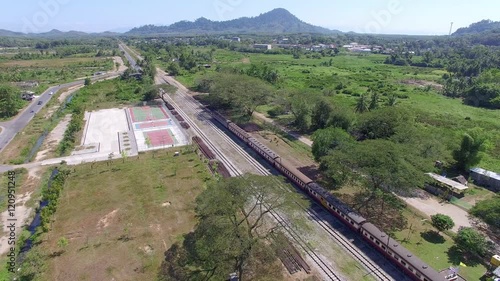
50, 94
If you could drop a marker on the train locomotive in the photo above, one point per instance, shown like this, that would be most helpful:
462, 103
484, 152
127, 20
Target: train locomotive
390, 248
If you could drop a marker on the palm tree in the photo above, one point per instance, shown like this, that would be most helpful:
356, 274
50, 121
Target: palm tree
362, 104
392, 100
374, 101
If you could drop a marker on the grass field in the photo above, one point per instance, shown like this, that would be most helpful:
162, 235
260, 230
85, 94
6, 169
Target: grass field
357, 73
108, 94
119, 219
436, 250
52, 71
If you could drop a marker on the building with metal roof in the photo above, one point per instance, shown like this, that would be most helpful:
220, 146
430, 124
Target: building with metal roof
488, 179
449, 183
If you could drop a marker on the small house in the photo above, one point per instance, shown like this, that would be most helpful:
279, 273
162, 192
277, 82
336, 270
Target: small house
487, 179
461, 179
263, 46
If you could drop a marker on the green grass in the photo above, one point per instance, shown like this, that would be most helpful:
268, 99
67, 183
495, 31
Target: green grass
357, 73
52, 71
108, 94
435, 249
110, 213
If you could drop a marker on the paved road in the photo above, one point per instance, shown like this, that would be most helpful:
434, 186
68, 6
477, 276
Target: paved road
11, 128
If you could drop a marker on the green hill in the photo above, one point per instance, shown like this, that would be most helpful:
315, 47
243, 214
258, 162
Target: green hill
278, 21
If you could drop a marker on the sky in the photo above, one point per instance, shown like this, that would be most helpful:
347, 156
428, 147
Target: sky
416, 17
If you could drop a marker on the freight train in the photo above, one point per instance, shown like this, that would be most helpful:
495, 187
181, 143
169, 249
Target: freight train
390, 248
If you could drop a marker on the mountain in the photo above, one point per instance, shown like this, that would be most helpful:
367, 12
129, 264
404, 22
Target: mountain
277, 21
9, 33
479, 27
55, 34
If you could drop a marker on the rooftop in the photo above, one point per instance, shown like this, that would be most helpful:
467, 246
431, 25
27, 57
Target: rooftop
486, 173
446, 181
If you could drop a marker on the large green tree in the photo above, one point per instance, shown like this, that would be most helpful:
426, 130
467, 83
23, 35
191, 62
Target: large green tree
383, 123
321, 114
239, 92
488, 210
325, 140
471, 149
10, 101
442, 222
230, 233
471, 241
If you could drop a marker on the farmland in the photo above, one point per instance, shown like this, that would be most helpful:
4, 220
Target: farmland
351, 75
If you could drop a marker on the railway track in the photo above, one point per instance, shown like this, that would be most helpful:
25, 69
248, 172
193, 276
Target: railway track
327, 270
373, 269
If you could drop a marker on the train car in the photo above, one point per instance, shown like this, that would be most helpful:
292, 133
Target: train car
242, 134
336, 207
221, 119
411, 265
292, 173
263, 150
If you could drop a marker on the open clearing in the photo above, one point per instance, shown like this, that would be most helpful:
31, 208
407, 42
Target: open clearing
103, 127
48, 62
119, 219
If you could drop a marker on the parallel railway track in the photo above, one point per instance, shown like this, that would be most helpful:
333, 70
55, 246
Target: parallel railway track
373, 269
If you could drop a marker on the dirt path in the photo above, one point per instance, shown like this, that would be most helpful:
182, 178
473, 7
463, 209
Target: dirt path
53, 139
63, 96
122, 66
431, 206
307, 141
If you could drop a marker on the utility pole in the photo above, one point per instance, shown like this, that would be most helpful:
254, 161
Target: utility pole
451, 28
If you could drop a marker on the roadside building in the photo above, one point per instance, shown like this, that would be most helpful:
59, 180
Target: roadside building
263, 46
443, 186
487, 179
28, 95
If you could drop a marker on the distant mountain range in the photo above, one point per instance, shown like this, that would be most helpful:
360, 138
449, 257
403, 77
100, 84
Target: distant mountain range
54, 33
479, 27
277, 21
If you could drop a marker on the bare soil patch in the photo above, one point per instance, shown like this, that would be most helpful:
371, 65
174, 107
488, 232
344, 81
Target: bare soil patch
423, 83
50, 144
119, 60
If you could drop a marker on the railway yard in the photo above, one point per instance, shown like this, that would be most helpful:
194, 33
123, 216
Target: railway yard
321, 236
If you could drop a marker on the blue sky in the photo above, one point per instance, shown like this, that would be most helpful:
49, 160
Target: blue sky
366, 16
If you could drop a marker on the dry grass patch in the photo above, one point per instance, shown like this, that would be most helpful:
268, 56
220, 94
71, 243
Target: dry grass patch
116, 220
48, 62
